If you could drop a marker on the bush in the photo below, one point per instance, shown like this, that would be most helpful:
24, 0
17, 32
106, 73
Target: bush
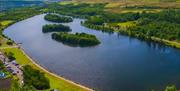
9, 43
10, 56
171, 88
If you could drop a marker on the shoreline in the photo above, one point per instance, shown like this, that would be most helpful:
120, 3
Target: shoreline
53, 74
41, 68
165, 42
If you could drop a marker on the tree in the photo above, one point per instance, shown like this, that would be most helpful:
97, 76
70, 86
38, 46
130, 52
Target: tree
10, 56
35, 78
171, 88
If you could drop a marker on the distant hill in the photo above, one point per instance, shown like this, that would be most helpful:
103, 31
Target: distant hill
30, 0
127, 0
21, 0
116, 4
4, 5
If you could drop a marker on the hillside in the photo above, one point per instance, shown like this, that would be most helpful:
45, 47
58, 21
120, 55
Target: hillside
124, 6
127, 0
4, 5
120, 3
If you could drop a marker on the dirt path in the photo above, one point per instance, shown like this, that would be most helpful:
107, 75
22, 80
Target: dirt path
9, 47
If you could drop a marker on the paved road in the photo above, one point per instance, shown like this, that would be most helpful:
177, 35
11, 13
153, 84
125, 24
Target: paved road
18, 71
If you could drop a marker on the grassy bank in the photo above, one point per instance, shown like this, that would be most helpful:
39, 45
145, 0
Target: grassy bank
167, 42
55, 82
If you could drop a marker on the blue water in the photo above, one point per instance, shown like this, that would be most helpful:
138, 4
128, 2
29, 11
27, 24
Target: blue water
119, 63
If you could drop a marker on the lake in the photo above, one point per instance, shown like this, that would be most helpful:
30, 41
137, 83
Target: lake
119, 63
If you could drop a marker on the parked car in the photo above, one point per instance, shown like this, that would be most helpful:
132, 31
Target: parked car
14, 73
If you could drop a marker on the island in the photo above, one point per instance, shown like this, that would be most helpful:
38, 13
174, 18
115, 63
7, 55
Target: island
57, 18
77, 39
55, 28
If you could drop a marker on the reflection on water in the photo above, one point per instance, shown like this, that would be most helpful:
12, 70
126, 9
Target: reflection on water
119, 63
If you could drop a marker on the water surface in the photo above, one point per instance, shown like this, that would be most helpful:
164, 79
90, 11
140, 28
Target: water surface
119, 63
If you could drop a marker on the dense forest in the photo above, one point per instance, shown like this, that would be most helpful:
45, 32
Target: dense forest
35, 78
57, 18
20, 14
83, 10
163, 25
77, 39
55, 28
149, 26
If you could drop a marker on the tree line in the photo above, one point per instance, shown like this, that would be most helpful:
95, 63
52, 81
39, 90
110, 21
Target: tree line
55, 28
77, 39
57, 18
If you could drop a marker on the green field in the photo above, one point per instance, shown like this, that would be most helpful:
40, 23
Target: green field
117, 6
4, 24
124, 24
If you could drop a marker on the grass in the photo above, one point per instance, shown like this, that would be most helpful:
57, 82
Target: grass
119, 6
6, 23
127, 24
123, 24
55, 83
119, 10
68, 2
167, 42
97, 1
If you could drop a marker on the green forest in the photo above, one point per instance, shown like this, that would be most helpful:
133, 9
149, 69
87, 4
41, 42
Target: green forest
55, 28
77, 39
57, 18
162, 27
35, 78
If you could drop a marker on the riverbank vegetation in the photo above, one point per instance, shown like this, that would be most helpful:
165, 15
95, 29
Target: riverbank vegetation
55, 28
58, 18
171, 88
147, 26
77, 39
12, 16
35, 78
